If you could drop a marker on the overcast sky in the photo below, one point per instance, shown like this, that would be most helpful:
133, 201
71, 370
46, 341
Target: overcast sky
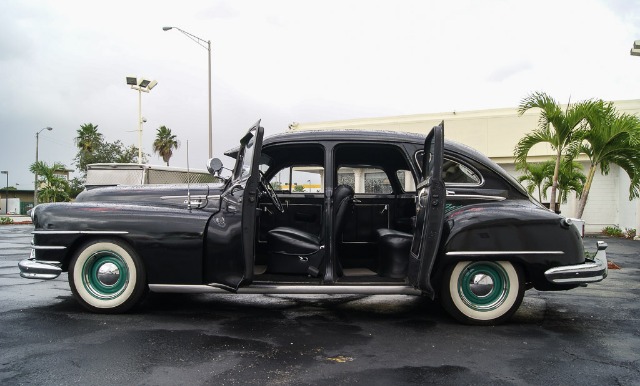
64, 63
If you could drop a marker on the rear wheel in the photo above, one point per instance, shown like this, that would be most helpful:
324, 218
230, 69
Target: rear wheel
482, 292
107, 276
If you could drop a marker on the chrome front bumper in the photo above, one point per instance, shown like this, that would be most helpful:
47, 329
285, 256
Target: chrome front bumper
32, 269
589, 272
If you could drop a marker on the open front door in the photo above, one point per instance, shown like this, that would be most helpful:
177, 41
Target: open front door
430, 203
232, 231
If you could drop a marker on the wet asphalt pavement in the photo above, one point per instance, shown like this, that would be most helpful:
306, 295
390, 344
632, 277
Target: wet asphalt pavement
587, 336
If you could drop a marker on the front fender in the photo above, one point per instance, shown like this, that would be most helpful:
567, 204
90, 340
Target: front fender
168, 240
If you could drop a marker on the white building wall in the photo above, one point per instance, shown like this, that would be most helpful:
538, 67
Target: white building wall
495, 132
627, 210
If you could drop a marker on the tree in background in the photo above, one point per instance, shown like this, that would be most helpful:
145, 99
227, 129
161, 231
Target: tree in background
88, 138
570, 179
52, 187
164, 143
535, 174
612, 138
560, 129
92, 148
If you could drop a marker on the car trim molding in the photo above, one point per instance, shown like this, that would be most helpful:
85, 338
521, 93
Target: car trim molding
452, 196
290, 289
79, 232
48, 247
502, 253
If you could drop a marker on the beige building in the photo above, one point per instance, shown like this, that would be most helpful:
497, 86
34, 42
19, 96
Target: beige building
495, 133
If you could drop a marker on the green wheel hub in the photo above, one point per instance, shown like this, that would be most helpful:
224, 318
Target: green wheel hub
105, 275
483, 286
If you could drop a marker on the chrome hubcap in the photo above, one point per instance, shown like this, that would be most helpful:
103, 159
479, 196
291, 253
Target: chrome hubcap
105, 275
481, 285
108, 274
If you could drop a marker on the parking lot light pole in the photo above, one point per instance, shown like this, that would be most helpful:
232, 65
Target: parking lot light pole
35, 184
201, 43
6, 191
142, 85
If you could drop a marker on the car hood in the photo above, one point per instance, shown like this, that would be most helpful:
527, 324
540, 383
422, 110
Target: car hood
156, 195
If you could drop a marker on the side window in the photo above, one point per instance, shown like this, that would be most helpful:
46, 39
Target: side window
365, 180
406, 181
298, 179
454, 172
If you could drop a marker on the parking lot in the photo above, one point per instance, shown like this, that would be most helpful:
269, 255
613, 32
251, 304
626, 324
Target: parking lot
587, 336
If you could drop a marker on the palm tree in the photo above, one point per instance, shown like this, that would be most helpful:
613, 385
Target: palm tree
612, 138
560, 129
52, 187
164, 143
88, 138
535, 174
570, 178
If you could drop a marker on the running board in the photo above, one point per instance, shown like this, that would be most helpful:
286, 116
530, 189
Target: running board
289, 289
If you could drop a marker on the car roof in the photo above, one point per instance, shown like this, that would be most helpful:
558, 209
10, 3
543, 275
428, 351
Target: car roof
352, 135
356, 135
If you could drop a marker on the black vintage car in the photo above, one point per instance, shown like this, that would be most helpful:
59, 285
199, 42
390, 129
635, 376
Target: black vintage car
389, 213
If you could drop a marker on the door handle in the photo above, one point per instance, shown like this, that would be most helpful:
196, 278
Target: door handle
386, 208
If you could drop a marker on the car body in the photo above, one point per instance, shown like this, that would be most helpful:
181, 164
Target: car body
381, 218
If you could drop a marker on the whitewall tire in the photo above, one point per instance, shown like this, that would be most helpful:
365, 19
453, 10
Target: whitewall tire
107, 276
482, 292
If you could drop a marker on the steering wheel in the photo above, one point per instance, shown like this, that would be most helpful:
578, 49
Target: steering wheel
268, 190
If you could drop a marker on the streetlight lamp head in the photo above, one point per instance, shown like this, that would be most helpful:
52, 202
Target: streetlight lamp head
144, 82
132, 80
166, 28
49, 128
152, 84
4, 172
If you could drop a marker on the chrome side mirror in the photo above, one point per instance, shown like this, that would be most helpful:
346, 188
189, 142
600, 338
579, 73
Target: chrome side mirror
214, 166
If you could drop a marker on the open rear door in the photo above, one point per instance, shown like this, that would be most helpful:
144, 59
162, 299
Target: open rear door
430, 203
231, 232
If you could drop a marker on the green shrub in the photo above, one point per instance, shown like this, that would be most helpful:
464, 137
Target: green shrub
613, 231
6, 220
630, 233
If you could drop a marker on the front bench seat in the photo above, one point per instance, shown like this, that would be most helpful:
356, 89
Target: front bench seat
292, 251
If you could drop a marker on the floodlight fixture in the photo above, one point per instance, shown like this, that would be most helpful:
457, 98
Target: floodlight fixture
635, 51
132, 80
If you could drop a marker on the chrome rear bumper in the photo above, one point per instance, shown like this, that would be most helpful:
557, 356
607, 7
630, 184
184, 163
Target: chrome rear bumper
589, 272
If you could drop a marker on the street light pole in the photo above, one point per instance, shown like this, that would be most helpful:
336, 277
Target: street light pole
142, 85
6, 191
35, 184
201, 42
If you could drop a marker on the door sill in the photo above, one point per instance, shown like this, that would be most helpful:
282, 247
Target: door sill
299, 289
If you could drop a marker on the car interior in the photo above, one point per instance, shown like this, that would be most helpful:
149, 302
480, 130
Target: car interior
372, 214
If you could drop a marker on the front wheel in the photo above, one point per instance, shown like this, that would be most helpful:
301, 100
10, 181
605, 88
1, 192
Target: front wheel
107, 276
482, 292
